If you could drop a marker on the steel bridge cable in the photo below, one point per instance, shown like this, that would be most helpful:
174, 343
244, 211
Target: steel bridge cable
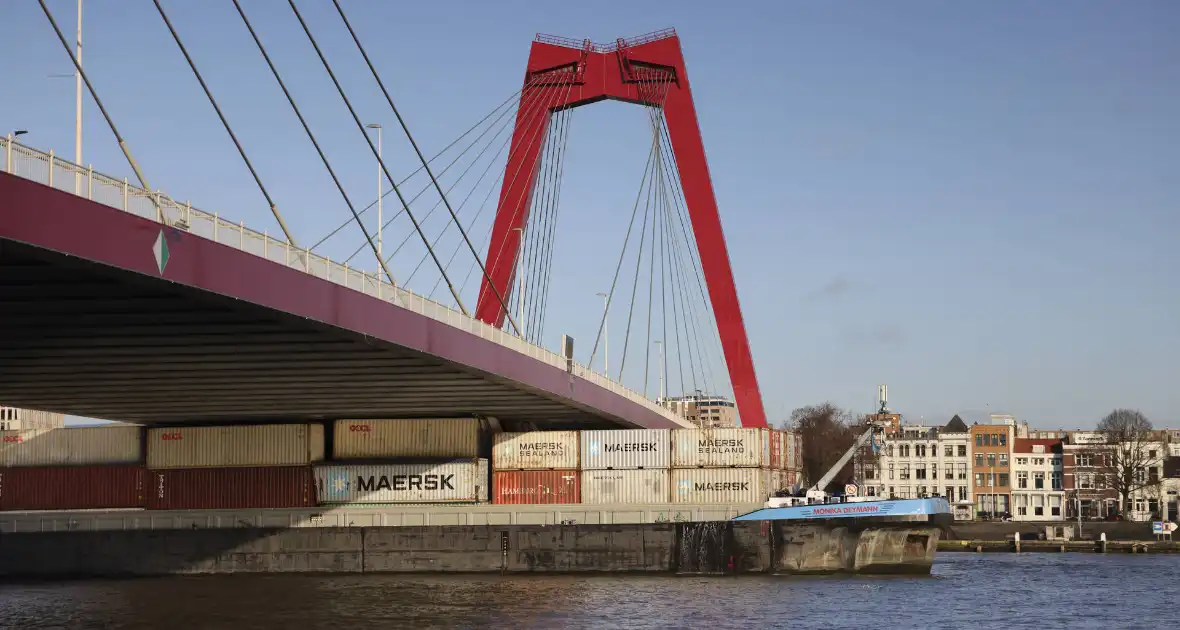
463, 203
688, 305
454, 184
657, 225
542, 218
369, 141
425, 188
680, 204
539, 207
553, 227
551, 98
102, 108
548, 218
404, 181
212, 101
422, 159
532, 104
307, 129
635, 282
626, 240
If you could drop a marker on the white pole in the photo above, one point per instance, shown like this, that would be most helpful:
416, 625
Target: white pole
520, 279
78, 107
380, 190
660, 345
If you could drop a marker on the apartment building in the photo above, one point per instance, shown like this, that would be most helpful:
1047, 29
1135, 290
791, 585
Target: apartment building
1083, 463
919, 461
703, 411
1038, 491
991, 451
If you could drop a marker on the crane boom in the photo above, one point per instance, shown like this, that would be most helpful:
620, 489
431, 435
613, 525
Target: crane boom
835, 470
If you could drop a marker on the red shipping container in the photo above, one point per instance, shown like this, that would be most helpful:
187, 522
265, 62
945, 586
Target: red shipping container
523, 487
230, 488
71, 488
777, 441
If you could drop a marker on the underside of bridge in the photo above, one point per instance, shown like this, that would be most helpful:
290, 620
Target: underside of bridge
87, 339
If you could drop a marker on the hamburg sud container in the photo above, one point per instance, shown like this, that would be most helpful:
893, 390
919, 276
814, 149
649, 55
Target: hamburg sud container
255, 445
607, 487
721, 485
522, 487
777, 446
71, 488
720, 448
457, 482
536, 450
71, 447
456, 438
230, 488
626, 448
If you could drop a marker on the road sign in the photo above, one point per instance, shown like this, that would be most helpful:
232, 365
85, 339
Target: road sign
1157, 528
1164, 527
850, 489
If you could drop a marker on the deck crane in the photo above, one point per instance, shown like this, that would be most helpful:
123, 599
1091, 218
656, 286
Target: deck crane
817, 494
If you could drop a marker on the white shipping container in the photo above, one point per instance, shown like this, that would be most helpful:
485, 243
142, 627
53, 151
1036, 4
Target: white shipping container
71, 447
717, 447
608, 487
535, 450
626, 448
789, 446
459, 481
254, 445
445, 437
720, 485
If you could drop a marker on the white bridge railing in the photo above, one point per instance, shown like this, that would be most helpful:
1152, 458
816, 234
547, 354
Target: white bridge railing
46, 168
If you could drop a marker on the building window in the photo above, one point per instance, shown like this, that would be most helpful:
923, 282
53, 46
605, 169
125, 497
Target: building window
991, 460
1003, 480
1003, 439
962, 471
919, 450
1151, 454
949, 472
1039, 461
1022, 461
890, 472
904, 450
1021, 480
1038, 501
949, 451
962, 493
979, 439
979, 460
1086, 481
1085, 460
1003, 460
962, 450
920, 471
870, 473
934, 471
979, 480
1056, 461
905, 472
1057, 481
1038, 481
1021, 502
1055, 505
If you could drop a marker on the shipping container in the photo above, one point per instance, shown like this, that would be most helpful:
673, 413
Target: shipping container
451, 438
626, 448
230, 488
720, 485
524, 487
721, 448
81, 446
536, 450
228, 446
792, 446
457, 481
72, 488
777, 454
607, 487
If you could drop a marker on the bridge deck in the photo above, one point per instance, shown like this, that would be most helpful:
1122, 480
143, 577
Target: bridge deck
90, 325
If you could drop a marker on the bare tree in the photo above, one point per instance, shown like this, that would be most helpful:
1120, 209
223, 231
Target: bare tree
827, 433
1130, 458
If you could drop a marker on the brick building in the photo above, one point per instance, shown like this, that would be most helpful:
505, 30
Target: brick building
991, 451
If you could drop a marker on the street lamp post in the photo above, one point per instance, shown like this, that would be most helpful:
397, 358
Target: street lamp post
660, 345
78, 108
520, 280
605, 335
380, 186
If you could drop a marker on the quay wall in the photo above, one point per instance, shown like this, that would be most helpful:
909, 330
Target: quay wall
993, 530
686, 548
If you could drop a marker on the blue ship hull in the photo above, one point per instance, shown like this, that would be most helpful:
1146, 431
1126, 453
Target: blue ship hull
933, 509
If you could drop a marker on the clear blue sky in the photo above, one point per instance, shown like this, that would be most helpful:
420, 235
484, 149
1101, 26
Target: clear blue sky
975, 203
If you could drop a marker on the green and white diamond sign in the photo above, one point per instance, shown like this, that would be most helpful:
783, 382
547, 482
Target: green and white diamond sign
160, 249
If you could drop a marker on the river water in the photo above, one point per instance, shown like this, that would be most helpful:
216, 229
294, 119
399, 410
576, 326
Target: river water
976, 591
